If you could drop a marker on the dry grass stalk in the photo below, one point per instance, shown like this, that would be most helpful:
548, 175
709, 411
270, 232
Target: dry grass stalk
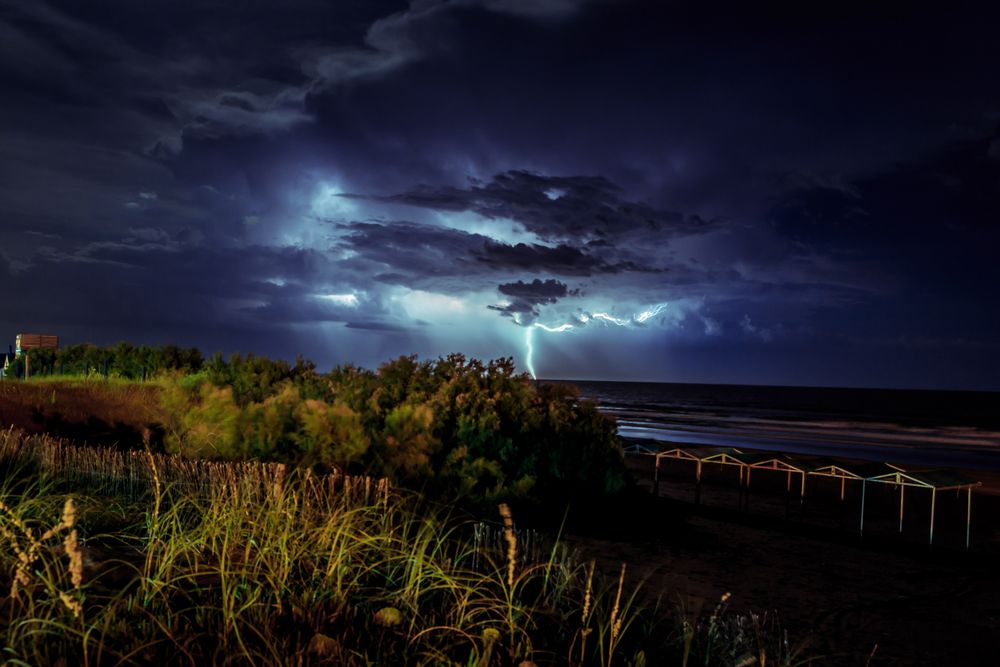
75, 554
279, 480
589, 591
508, 534
28, 550
585, 615
616, 620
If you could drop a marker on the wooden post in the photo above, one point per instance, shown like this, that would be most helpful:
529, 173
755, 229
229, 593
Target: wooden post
656, 478
788, 492
739, 490
27, 366
902, 491
697, 483
930, 540
843, 480
802, 490
864, 486
968, 520
746, 498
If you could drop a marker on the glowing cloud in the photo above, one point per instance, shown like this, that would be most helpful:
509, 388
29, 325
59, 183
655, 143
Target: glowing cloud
430, 306
329, 203
349, 300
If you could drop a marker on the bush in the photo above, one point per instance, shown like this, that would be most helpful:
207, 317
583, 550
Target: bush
453, 426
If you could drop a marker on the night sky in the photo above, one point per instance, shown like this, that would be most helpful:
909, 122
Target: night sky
664, 191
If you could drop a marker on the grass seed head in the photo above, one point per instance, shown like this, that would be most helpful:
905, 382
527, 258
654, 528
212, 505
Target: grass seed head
69, 513
508, 534
75, 554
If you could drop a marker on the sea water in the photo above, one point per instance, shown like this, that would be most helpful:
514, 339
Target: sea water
957, 429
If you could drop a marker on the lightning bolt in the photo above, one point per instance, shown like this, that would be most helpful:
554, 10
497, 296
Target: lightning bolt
529, 342
583, 318
610, 318
652, 312
529, 350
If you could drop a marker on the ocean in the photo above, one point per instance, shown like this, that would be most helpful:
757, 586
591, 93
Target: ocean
957, 429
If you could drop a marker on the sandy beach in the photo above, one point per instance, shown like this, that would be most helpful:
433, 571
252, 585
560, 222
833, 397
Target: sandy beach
886, 599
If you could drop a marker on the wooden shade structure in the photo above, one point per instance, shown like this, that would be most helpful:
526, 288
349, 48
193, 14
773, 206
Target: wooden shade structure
866, 473
932, 480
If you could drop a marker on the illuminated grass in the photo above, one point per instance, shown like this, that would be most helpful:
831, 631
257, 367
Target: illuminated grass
191, 562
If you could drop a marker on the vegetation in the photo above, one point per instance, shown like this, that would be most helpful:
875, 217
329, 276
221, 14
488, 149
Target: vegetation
453, 427
129, 557
252, 511
123, 361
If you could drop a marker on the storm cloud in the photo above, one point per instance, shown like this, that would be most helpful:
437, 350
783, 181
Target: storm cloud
555, 208
356, 180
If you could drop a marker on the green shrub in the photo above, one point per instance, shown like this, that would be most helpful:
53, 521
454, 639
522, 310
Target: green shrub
330, 434
453, 426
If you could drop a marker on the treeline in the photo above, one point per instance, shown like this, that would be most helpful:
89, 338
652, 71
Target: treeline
123, 361
453, 426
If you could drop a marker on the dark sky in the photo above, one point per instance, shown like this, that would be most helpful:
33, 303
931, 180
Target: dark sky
695, 192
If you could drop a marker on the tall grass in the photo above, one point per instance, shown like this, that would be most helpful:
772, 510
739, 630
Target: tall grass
111, 558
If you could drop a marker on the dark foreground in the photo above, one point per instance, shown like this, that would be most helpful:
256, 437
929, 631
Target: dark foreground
884, 600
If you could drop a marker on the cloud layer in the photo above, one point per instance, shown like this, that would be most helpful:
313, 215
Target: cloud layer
795, 201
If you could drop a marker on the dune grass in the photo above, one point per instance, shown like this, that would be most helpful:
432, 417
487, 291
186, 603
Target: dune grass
110, 557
